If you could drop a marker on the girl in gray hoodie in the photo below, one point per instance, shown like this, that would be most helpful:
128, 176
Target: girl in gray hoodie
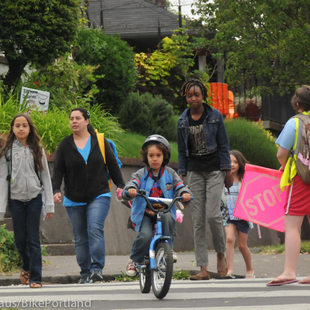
24, 177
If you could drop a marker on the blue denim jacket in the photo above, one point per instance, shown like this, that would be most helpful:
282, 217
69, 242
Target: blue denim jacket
215, 134
170, 184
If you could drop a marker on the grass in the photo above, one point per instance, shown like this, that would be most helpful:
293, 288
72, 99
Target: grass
177, 275
278, 249
129, 145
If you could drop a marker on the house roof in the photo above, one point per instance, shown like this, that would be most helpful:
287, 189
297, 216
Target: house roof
136, 20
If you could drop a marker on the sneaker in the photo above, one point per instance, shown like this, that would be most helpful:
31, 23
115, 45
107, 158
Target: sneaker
96, 275
131, 269
84, 280
175, 257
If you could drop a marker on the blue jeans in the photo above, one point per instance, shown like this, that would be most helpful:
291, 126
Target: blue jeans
26, 225
88, 224
141, 244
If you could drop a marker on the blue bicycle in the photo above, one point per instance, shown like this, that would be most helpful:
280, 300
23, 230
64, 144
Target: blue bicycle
157, 270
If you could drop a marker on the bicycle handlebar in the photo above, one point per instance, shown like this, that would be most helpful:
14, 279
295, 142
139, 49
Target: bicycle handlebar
150, 200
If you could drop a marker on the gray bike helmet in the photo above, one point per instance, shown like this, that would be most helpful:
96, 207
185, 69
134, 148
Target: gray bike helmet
158, 139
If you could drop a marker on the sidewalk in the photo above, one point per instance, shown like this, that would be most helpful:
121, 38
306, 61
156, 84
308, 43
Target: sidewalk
64, 269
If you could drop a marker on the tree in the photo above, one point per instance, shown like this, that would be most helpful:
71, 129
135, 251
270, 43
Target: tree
35, 32
163, 71
116, 71
265, 43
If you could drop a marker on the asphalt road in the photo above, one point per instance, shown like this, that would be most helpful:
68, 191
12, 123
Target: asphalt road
238, 294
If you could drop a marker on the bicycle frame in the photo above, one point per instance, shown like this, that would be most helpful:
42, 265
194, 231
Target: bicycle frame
157, 236
157, 269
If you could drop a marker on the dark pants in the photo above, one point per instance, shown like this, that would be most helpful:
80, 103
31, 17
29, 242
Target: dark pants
26, 224
141, 244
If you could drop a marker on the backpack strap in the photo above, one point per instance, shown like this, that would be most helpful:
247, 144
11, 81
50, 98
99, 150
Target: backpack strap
300, 119
100, 138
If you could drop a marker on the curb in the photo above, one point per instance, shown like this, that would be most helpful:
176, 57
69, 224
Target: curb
55, 280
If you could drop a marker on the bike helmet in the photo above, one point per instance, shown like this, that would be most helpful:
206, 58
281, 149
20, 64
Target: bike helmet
158, 139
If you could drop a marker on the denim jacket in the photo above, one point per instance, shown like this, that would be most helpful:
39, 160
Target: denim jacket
215, 134
170, 184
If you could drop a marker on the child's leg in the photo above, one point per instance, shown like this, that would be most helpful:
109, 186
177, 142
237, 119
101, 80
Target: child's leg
140, 247
230, 247
246, 253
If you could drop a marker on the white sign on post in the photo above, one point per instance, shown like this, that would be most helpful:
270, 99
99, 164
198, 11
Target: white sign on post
37, 100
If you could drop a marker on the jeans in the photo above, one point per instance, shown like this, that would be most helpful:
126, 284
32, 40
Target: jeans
26, 225
88, 224
207, 188
141, 244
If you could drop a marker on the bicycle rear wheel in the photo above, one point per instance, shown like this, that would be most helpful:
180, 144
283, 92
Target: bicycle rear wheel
162, 275
145, 279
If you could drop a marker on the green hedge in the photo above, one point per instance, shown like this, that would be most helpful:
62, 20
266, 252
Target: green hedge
147, 114
256, 143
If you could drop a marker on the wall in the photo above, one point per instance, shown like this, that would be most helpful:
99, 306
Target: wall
57, 233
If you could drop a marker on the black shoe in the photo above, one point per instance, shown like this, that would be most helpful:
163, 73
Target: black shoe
96, 275
85, 279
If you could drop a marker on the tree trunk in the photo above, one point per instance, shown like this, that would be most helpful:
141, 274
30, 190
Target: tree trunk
16, 68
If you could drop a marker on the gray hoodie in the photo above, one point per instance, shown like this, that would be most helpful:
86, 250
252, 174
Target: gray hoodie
25, 184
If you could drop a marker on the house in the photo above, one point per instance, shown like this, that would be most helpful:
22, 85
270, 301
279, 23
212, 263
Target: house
142, 23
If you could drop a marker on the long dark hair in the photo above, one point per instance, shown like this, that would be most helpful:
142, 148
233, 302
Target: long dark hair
33, 141
86, 116
241, 162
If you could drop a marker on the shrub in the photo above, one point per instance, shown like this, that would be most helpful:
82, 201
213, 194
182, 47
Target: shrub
256, 143
68, 82
130, 144
8, 109
116, 71
54, 125
9, 257
145, 114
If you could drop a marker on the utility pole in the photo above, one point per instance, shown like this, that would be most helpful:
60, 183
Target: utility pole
101, 15
180, 14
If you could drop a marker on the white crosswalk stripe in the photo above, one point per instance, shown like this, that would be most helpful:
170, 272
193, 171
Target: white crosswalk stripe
238, 294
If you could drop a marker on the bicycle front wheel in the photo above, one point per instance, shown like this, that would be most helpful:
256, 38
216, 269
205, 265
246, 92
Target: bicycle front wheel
162, 274
145, 279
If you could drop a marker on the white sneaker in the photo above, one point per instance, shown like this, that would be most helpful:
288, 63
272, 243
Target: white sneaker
131, 269
175, 256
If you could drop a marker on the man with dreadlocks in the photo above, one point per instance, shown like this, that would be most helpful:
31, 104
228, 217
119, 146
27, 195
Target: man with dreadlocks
204, 158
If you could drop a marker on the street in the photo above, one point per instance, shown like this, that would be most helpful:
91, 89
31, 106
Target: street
213, 294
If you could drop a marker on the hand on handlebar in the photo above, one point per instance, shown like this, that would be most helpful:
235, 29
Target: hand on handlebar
186, 197
132, 192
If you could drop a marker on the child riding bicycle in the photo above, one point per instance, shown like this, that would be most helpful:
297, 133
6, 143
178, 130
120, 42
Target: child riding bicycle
157, 180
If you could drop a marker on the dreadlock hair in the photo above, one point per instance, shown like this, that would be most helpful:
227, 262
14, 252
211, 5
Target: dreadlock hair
33, 141
194, 82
